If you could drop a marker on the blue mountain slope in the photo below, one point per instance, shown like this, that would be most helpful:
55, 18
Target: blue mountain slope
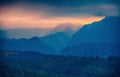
33, 44
67, 28
25, 33
105, 31
57, 41
97, 39
58, 37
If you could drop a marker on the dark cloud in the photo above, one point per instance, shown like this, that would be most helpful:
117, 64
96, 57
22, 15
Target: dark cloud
71, 7
95, 10
62, 3
6, 2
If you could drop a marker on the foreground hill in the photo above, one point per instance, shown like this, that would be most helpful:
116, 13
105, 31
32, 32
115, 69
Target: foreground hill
34, 64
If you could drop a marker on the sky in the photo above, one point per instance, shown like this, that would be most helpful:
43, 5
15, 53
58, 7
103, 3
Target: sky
49, 13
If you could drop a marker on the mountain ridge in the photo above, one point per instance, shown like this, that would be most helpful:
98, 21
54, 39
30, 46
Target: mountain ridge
57, 41
32, 44
64, 27
102, 31
99, 37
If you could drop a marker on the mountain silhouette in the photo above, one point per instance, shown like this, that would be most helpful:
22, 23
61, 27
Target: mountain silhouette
32, 44
105, 31
67, 28
99, 39
2, 34
25, 33
39, 32
58, 37
57, 41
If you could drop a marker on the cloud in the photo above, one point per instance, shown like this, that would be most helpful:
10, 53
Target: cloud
17, 17
61, 3
69, 7
48, 13
95, 10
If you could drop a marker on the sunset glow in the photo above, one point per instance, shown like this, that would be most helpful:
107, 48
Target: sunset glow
13, 17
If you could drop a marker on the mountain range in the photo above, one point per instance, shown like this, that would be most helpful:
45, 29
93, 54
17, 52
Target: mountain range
55, 38
67, 28
104, 31
32, 44
59, 36
97, 39
24, 33
56, 41
39, 32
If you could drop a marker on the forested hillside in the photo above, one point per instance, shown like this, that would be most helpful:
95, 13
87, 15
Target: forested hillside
33, 64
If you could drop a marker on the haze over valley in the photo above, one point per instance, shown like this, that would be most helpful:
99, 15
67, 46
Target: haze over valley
59, 38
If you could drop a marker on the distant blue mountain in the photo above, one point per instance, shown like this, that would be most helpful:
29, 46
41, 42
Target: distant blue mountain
67, 28
99, 38
2, 34
57, 41
25, 33
39, 32
58, 37
105, 31
33, 44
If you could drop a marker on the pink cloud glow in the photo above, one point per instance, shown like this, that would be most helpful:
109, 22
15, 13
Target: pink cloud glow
13, 17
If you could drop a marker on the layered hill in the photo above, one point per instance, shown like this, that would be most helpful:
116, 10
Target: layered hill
32, 44
57, 41
58, 37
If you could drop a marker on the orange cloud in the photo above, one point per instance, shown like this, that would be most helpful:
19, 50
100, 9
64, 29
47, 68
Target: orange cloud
22, 18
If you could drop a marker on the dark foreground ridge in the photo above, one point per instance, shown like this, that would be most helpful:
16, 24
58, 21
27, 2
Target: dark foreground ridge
34, 64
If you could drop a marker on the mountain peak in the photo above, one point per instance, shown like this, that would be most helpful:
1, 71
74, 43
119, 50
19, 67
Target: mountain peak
35, 38
63, 26
97, 39
67, 28
105, 31
111, 18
